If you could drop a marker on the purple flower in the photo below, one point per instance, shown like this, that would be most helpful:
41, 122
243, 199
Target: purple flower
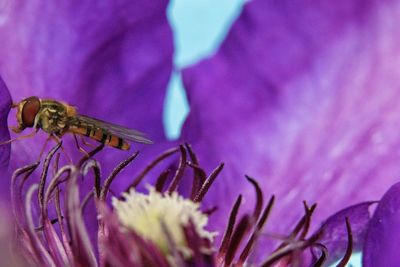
303, 97
160, 228
5, 104
110, 59
380, 248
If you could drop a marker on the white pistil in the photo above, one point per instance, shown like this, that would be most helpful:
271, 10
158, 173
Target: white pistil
146, 214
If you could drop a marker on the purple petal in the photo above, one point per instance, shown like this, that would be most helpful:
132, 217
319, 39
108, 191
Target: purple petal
8, 257
333, 233
303, 98
383, 233
111, 59
81, 246
5, 105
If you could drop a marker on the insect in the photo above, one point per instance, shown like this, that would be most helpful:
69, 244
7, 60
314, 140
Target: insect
58, 118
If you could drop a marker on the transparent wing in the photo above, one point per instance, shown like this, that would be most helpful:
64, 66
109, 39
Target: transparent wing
120, 131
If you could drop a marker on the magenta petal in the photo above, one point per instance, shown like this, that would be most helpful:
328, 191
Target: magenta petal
303, 97
111, 59
381, 244
333, 232
5, 105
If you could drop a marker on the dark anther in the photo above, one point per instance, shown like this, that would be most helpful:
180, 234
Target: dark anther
322, 258
259, 198
90, 155
285, 251
256, 232
229, 228
28, 170
192, 155
299, 226
307, 219
162, 178
149, 167
45, 170
343, 262
93, 164
209, 181
199, 178
210, 211
179, 172
114, 173
237, 237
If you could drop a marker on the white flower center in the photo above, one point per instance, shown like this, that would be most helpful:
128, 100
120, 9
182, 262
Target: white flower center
150, 215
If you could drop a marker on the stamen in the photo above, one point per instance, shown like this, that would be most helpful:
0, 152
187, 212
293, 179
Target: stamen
64, 237
81, 245
143, 213
174, 253
149, 167
179, 172
237, 237
259, 198
93, 164
210, 211
209, 181
283, 252
114, 173
42, 181
40, 228
307, 219
229, 229
162, 178
16, 191
291, 245
40, 252
299, 226
324, 255
54, 184
199, 178
196, 245
56, 164
192, 155
250, 244
343, 262
90, 155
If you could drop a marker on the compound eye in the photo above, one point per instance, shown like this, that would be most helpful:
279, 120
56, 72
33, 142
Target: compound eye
30, 110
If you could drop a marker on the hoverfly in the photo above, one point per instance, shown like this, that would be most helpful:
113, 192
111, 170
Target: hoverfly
57, 118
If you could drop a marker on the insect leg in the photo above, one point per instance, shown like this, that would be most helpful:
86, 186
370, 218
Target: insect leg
44, 146
57, 139
86, 143
19, 138
81, 149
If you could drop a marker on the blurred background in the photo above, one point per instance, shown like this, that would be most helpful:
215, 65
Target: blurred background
199, 28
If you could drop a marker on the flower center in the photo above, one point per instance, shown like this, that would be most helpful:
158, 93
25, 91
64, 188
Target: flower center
155, 216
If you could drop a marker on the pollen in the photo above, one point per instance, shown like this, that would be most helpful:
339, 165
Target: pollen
159, 216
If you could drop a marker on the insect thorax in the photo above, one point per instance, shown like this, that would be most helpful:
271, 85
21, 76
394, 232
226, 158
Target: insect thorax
53, 117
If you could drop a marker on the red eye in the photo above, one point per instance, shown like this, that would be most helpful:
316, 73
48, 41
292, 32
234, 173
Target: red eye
30, 110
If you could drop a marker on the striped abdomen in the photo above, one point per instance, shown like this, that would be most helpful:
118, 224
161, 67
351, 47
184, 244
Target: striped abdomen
97, 133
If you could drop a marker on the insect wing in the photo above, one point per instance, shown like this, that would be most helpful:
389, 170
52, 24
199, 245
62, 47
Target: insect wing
120, 131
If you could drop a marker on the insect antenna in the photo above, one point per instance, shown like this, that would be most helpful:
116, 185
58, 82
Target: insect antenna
18, 138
